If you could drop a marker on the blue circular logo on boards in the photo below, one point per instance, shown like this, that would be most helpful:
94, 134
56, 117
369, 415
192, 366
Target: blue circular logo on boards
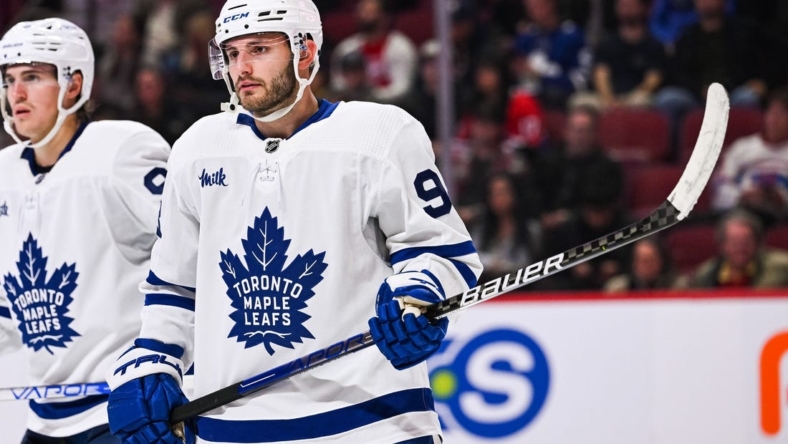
496, 385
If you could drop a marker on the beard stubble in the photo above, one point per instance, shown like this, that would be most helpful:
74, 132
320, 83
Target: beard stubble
280, 92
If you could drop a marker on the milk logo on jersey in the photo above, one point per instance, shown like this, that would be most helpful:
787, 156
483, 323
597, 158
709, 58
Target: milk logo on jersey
269, 297
40, 304
210, 179
4, 209
493, 387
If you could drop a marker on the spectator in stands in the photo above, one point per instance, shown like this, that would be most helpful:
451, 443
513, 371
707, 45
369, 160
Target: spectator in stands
192, 87
598, 213
118, 65
669, 19
389, 55
477, 159
153, 109
650, 268
628, 65
164, 22
552, 59
421, 101
526, 132
754, 172
503, 235
742, 261
561, 172
718, 49
353, 72
489, 87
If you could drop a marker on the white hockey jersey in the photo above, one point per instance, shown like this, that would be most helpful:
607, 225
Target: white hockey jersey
286, 243
74, 244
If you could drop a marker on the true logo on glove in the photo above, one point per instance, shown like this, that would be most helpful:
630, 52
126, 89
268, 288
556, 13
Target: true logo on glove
147, 359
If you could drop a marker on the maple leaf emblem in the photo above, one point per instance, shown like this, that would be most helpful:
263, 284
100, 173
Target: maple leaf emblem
40, 305
269, 297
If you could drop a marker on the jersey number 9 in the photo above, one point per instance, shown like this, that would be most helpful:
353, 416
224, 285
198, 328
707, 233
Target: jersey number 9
435, 191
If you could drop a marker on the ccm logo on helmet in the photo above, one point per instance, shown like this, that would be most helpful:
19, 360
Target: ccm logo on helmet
236, 17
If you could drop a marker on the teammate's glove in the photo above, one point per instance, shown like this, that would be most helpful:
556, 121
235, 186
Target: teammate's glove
145, 388
410, 339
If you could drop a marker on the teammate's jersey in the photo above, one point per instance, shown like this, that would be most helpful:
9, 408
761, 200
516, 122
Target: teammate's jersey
286, 243
74, 244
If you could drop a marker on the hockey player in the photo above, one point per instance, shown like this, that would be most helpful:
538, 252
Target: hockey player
79, 202
280, 222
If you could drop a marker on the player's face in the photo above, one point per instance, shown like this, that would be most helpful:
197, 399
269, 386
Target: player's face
32, 96
261, 67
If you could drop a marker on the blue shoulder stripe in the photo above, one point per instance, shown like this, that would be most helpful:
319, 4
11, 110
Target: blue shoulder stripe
320, 425
158, 346
5, 312
154, 280
60, 410
169, 300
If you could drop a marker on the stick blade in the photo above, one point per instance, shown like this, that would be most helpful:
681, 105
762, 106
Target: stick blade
704, 155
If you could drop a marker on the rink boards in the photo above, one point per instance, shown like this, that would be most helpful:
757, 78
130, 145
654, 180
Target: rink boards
661, 368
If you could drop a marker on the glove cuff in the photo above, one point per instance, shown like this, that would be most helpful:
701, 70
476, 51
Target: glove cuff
139, 362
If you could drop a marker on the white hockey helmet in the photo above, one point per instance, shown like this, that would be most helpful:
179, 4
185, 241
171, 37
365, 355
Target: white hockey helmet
298, 19
56, 42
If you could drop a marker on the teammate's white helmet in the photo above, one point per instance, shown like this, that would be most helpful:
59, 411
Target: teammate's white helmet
54, 41
298, 19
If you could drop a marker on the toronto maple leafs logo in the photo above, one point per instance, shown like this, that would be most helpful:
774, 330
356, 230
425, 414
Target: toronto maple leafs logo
40, 305
269, 297
4, 209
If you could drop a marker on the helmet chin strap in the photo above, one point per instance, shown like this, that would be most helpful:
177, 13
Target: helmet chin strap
278, 114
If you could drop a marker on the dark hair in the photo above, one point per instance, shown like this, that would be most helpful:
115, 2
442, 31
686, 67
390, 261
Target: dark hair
490, 219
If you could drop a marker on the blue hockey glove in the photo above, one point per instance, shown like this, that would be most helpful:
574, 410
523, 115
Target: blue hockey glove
410, 339
145, 388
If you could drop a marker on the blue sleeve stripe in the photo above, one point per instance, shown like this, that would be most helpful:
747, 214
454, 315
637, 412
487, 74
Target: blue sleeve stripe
5, 312
446, 251
154, 280
158, 346
313, 427
466, 272
170, 300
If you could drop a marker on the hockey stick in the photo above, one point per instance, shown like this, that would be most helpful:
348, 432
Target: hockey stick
53, 391
671, 212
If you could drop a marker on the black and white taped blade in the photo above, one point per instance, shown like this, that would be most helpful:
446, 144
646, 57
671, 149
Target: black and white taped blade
704, 155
